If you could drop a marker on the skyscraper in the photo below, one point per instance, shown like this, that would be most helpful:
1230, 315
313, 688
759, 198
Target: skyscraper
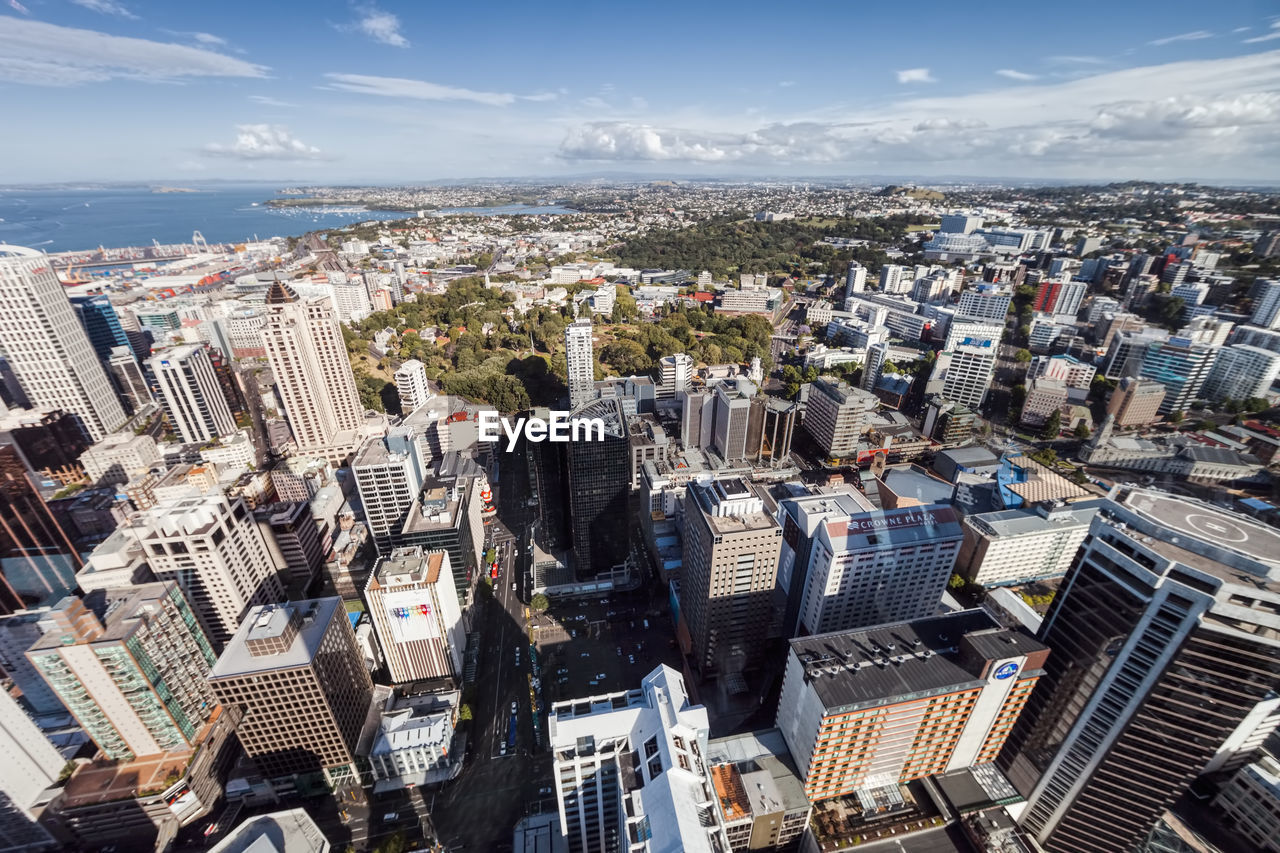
580, 362
213, 548
191, 394
1266, 304
877, 355
101, 323
38, 561
411, 385
297, 673
1165, 639
29, 764
1241, 372
130, 383
855, 279
389, 472
730, 566
46, 346
416, 615
677, 371
312, 372
1181, 367
732, 416
837, 416
599, 477
130, 664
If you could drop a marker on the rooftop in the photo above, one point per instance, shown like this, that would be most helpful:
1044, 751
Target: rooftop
291, 831
270, 621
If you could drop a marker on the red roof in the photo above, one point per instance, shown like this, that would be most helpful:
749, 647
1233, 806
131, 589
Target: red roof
704, 296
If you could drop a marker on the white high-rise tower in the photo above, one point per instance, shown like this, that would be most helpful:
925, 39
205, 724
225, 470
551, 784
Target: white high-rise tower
309, 358
580, 362
46, 346
191, 393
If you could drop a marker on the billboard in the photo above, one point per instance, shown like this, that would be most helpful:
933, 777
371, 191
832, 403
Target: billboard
411, 615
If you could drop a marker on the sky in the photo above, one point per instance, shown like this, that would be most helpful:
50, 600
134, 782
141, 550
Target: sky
333, 91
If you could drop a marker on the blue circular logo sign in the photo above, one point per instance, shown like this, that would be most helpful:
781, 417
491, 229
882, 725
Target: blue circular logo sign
1007, 671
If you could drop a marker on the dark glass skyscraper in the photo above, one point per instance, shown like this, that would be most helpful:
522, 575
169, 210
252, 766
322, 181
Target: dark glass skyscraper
37, 560
101, 323
599, 484
1165, 636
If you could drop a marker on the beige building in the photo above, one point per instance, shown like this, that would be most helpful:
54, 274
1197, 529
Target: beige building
1019, 545
297, 673
415, 613
313, 374
212, 546
730, 567
1135, 402
837, 414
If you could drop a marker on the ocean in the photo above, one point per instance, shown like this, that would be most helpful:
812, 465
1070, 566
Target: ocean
73, 219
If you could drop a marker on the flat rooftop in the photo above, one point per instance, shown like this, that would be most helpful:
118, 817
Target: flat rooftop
314, 615
1020, 522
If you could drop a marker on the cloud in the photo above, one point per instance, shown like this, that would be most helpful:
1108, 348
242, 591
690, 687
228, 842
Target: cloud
400, 87
18, 7
382, 27
1197, 35
37, 53
594, 103
540, 97
1017, 75
106, 7
786, 84
1195, 116
209, 39
915, 75
1274, 34
1077, 60
264, 142
267, 101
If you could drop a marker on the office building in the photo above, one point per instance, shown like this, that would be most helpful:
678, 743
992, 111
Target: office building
1060, 297
389, 472
412, 386
630, 770
212, 547
877, 355
855, 279
853, 565
947, 421
120, 457
864, 711
1016, 546
298, 675
191, 394
101, 323
985, 302
1181, 367
599, 476
130, 665
29, 764
412, 745
47, 348
974, 332
38, 560
959, 223
1266, 304
308, 358
129, 381
770, 430
837, 415
49, 442
19, 632
760, 795
1166, 637
580, 362
732, 409
292, 538
1250, 802
415, 613
1135, 402
676, 374
964, 374
291, 831
1241, 372
729, 570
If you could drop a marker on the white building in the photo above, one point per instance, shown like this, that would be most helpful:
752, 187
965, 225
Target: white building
895, 278
603, 300
119, 457
974, 331
313, 373
1266, 304
1020, 545
630, 770
191, 394
350, 297
1251, 803
291, 831
818, 313
389, 471
28, 765
855, 280
1063, 368
1241, 372
415, 613
677, 372
964, 374
960, 223
46, 346
986, 302
412, 385
580, 362
412, 744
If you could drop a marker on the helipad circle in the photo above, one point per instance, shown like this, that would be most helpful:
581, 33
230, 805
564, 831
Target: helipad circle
1216, 528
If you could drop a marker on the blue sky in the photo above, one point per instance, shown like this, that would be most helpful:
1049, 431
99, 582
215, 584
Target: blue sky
330, 91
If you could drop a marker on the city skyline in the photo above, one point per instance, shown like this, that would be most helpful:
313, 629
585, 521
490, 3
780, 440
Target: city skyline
1160, 92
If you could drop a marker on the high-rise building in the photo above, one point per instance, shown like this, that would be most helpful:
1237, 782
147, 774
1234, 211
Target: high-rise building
1016, 546
761, 799
732, 417
729, 571
631, 773
852, 565
947, 421
1241, 372
959, 223
191, 394
101, 323
46, 346
412, 386
38, 561
855, 279
985, 302
964, 374
770, 429
416, 615
29, 764
677, 373
130, 382
599, 477
313, 373
1181, 367
895, 278
19, 632
877, 355
1165, 638
292, 537
389, 472
580, 362
212, 547
871, 709
1060, 297
972, 332
1266, 304
837, 415
296, 671
1135, 402
130, 664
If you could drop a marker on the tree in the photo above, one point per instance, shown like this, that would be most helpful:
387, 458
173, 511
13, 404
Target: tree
1022, 356
464, 712
1052, 426
957, 581
540, 603
1082, 430
1174, 418
1205, 424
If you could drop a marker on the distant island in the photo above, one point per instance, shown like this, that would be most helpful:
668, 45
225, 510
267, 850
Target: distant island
173, 190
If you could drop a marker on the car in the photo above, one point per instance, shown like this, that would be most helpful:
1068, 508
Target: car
631, 659
619, 651
544, 791
593, 683
573, 634
503, 751
514, 707
390, 816
585, 655
513, 586
601, 676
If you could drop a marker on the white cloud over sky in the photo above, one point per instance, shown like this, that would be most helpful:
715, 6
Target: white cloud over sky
106, 7
915, 75
421, 90
264, 142
1017, 75
379, 25
1197, 35
46, 54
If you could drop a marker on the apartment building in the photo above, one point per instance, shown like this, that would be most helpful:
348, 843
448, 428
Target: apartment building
837, 415
1018, 546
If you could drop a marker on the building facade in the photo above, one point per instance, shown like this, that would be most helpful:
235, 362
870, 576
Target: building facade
191, 394
837, 415
1018, 546
415, 613
580, 362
